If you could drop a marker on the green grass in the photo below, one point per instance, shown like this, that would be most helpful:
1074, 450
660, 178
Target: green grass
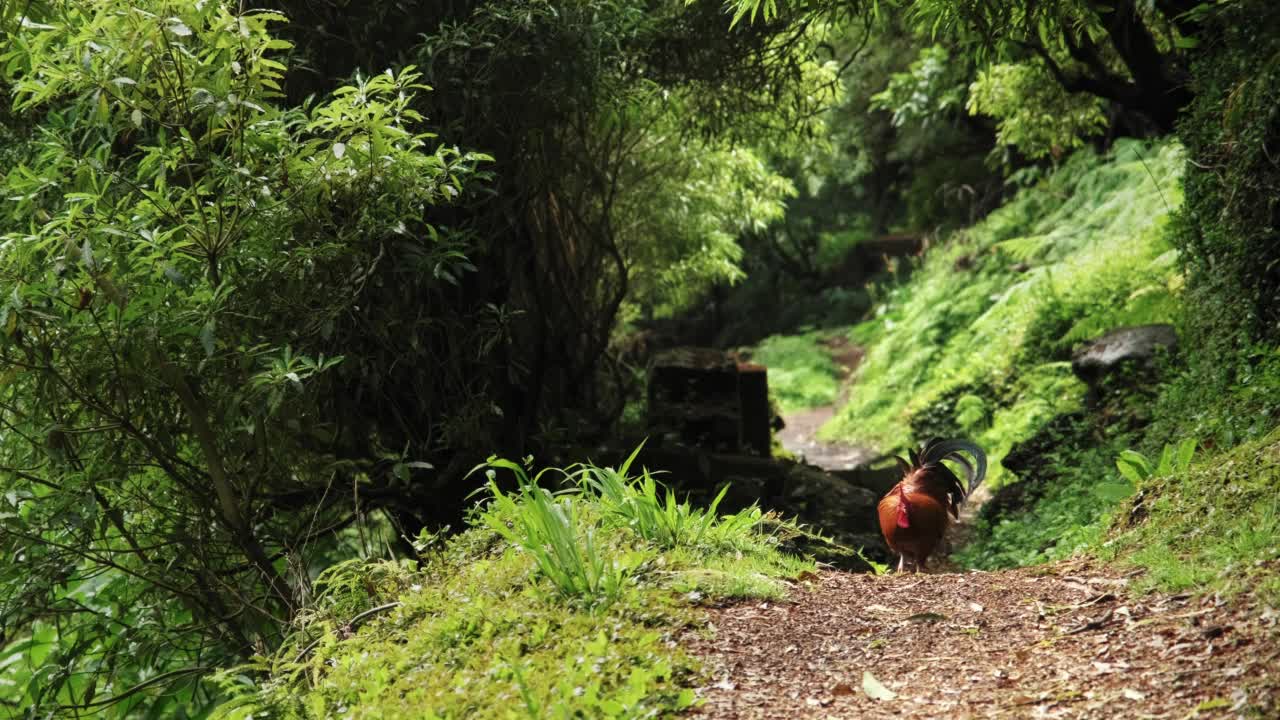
1215, 526
552, 605
1080, 494
641, 505
802, 374
977, 341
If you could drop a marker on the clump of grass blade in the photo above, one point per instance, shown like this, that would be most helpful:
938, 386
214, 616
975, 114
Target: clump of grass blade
547, 526
655, 514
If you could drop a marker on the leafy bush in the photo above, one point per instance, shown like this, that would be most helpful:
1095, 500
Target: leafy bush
1034, 113
682, 225
193, 276
932, 88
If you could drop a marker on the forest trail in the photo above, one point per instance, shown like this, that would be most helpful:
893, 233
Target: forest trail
800, 434
1065, 640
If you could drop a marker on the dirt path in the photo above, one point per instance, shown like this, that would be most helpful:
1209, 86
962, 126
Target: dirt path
1059, 641
800, 433
1066, 640
800, 437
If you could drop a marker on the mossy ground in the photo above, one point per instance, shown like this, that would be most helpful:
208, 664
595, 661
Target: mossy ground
480, 630
1215, 526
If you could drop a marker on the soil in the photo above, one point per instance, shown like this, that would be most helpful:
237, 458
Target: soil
1066, 640
800, 437
800, 433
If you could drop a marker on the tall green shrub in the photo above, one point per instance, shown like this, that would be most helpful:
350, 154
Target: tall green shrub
1228, 233
187, 271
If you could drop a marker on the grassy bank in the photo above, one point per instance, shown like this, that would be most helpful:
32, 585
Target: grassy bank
553, 604
1214, 525
978, 341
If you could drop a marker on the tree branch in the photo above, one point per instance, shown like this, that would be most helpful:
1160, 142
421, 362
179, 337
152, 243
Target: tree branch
227, 500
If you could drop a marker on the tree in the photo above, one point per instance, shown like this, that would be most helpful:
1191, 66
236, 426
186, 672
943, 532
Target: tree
182, 261
1123, 52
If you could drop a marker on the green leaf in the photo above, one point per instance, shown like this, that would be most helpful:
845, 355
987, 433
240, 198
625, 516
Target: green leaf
1186, 449
1138, 461
1129, 470
1165, 466
206, 337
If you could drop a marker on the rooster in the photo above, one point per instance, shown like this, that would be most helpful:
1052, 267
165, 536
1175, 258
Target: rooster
913, 515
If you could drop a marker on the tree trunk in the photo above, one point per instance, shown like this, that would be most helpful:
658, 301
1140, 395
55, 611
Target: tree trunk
1161, 93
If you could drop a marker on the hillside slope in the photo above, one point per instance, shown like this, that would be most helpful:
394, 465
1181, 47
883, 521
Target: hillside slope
977, 341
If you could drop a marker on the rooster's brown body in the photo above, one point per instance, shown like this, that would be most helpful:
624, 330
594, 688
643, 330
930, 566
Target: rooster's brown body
916, 513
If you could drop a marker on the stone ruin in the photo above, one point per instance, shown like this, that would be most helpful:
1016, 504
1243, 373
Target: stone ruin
707, 398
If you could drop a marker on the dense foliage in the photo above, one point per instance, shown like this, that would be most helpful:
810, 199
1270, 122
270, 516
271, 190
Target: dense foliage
978, 341
1227, 233
266, 303
186, 266
275, 277
1125, 52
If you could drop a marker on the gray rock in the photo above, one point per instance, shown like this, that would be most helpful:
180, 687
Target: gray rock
1121, 346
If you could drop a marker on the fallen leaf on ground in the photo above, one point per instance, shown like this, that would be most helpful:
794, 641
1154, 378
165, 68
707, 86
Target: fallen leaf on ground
1154, 662
926, 617
874, 689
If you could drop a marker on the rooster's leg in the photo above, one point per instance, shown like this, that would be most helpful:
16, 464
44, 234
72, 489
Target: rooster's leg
902, 562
